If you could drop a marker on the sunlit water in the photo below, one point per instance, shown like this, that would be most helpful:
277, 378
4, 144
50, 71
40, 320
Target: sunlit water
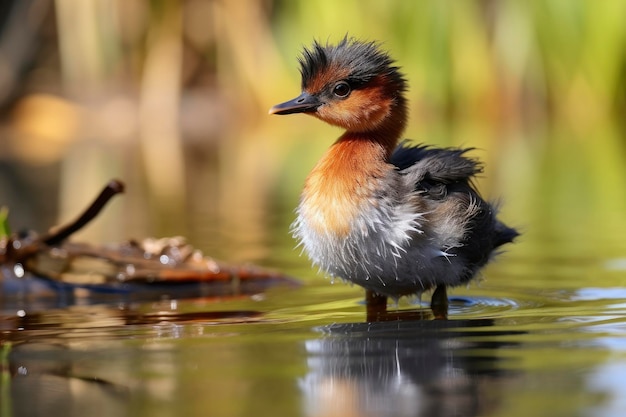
542, 333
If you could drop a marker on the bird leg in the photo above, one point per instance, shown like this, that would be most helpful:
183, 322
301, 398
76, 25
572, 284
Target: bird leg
439, 302
375, 305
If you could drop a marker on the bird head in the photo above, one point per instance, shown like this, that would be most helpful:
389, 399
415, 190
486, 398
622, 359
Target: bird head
354, 85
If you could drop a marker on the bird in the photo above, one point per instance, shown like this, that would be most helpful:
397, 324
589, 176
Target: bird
391, 216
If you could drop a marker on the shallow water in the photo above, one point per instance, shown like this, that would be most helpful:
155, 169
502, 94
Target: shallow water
538, 89
541, 333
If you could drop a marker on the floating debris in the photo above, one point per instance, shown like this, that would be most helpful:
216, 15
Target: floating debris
164, 265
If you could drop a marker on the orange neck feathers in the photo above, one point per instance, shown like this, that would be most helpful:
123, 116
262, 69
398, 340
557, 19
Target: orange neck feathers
339, 184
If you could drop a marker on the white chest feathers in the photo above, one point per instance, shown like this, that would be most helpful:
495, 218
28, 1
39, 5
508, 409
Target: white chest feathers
384, 242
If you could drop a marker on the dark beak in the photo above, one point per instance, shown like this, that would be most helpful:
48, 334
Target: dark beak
304, 103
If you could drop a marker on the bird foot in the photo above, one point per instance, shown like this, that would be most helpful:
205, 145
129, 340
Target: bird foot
375, 305
376, 310
439, 303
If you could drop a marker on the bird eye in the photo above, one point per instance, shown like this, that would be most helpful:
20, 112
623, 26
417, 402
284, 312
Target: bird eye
341, 89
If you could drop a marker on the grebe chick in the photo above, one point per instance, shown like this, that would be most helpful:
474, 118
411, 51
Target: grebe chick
395, 219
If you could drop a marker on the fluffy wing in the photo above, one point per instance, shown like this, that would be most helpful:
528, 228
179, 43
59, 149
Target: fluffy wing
442, 165
443, 177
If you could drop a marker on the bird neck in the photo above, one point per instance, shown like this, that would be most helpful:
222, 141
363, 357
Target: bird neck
339, 185
357, 155
386, 134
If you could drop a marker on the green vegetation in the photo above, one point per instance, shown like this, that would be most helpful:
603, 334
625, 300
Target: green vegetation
538, 87
5, 230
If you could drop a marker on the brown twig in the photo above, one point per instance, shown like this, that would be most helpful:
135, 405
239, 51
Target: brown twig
112, 188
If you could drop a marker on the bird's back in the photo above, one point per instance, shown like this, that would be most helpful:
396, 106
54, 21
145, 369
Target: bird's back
443, 179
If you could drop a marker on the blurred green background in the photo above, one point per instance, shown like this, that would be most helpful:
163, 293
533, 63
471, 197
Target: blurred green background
172, 98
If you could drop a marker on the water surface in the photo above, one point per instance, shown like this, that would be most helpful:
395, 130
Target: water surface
540, 334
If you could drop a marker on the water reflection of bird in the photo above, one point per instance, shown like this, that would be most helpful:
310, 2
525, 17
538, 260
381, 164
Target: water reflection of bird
412, 368
396, 220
